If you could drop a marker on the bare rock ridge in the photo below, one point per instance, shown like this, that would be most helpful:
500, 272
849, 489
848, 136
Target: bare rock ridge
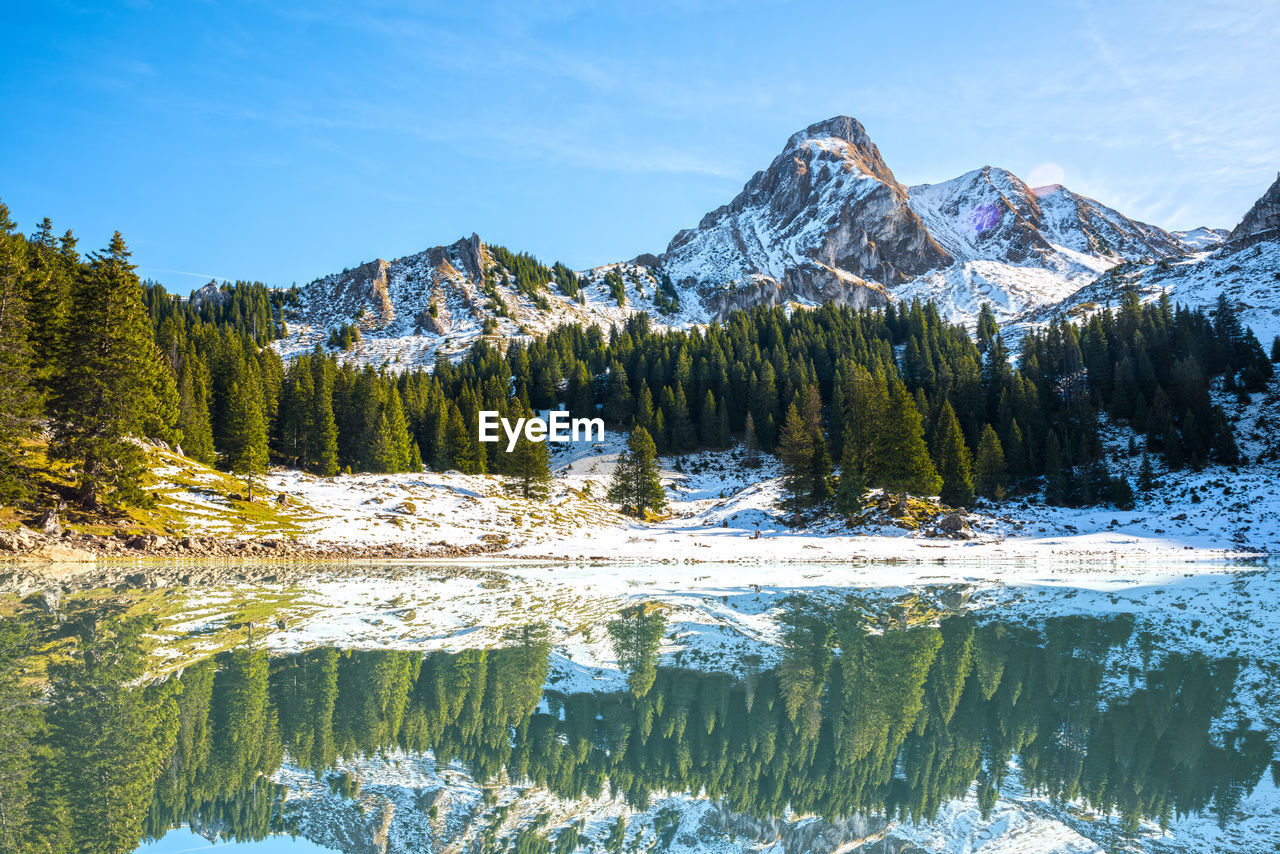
1262, 218
1243, 266
826, 220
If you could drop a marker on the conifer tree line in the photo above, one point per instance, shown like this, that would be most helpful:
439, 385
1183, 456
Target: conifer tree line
893, 722
895, 398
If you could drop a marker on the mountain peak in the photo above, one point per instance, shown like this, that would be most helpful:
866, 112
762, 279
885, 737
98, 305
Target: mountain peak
825, 221
841, 127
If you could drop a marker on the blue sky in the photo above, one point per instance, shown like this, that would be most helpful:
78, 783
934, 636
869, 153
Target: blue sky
283, 141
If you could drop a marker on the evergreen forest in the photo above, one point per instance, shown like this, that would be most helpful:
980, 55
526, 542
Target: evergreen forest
848, 399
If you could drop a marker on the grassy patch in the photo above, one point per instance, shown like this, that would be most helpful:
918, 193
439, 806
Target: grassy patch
190, 498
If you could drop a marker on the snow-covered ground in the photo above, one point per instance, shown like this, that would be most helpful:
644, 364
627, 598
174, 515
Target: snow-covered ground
724, 510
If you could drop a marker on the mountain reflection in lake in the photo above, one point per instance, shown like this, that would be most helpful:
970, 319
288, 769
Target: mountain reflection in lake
894, 719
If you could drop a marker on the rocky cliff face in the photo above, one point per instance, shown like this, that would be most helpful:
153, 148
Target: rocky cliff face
1263, 219
1245, 268
444, 299
826, 221
991, 214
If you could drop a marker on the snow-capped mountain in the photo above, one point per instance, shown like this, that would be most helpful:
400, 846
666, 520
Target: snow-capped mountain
1020, 248
1202, 238
1245, 267
991, 214
826, 221
444, 299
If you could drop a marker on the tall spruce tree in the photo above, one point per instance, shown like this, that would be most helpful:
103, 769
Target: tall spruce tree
193, 409
319, 423
989, 466
49, 274
113, 385
795, 449
954, 462
529, 465
19, 402
820, 461
636, 483
246, 439
750, 442
709, 421
902, 462
398, 429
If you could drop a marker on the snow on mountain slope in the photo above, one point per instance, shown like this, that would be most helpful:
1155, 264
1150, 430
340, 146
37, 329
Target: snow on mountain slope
825, 221
1201, 239
1020, 248
990, 213
1245, 267
828, 221
1248, 274
446, 298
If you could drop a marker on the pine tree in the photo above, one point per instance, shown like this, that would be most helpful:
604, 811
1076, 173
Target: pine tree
466, 454
683, 435
1275, 349
384, 453
708, 421
953, 460
618, 404
193, 409
398, 430
529, 465
49, 274
644, 416
19, 403
795, 449
750, 442
865, 404
636, 483
321, 428
1224, 448
820, 461
851, 488
989, 467
1057, 475
246, 441
113, 384
902, 462
581, 395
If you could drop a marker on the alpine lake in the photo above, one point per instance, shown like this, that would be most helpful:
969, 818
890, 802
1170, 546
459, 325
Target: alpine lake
681, 707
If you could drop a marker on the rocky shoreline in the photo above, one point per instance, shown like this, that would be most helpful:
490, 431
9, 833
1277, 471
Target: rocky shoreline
68, 547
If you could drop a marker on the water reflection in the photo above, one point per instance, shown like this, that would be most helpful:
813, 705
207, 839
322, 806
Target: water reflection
894, 718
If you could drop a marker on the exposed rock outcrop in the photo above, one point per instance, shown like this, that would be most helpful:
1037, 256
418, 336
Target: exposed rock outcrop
1263, 219
826, 221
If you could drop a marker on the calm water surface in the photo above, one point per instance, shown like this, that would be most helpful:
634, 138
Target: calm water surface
889, 712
